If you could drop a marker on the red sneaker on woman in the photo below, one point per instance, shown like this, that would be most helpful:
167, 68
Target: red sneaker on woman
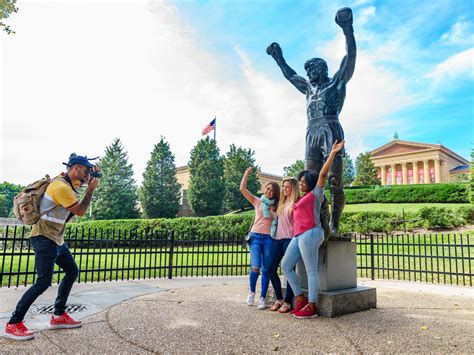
18, 331
64, 321
299, 306
306, 312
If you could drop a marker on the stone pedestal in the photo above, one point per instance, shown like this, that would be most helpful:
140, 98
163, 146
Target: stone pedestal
349, 300
338, 291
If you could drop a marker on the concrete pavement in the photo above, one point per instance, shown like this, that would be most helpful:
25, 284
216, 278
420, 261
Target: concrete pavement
209, 315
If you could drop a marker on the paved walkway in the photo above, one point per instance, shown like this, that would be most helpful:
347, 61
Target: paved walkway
208, 314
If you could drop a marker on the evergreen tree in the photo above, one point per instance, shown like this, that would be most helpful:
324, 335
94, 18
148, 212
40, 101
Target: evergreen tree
293, 169
366, 173
235, 163
159, 194
7, 7
206, 185
9, 191
116, 197
348, 173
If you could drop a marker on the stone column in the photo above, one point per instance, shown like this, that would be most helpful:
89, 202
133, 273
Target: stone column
382, 175
393, 173
437, 167
426, 171
416, 178
404, 174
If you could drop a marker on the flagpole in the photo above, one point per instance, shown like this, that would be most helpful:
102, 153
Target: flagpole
215, 127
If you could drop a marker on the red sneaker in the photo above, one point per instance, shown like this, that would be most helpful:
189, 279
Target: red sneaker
299, 305
18, 331
306, 312
64, 321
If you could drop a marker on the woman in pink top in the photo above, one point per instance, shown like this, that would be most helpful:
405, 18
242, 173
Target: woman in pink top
308, 237
283, 236
260, 239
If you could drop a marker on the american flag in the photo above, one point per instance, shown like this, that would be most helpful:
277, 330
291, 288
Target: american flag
209, 127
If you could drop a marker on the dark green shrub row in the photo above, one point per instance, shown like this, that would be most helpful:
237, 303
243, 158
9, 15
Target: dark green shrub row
238, 225
443, 217
441, 193
228, 224
360, 222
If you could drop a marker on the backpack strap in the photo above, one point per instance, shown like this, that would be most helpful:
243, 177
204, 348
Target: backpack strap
69, 181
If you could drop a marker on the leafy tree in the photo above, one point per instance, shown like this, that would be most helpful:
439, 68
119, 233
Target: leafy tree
159, 194
235, 163
9, 191
366, 173
463, 177
7, 7
294, 168
471, 190
3, 206
206, 185
116, 196
348, 173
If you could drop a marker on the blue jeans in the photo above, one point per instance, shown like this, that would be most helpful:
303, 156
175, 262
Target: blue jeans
259, 245
277, 251
47, 253
304, 246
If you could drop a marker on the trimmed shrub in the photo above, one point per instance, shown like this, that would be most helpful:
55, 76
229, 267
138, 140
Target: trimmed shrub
467, 214
441, 217
430, 193
197, 226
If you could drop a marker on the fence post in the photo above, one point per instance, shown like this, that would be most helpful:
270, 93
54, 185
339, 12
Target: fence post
170, 263
404, 222
368, 221
372, 259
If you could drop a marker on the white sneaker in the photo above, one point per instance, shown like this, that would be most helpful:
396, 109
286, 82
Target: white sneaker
251, 298
261, 303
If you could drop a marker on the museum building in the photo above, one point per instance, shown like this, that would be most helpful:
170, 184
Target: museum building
403, 162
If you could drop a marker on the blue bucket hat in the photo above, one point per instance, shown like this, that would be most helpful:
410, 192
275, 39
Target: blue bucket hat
75, 159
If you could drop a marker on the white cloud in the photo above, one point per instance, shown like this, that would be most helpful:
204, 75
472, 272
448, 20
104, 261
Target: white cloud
459, 64
137, 71
374, 94
138, 75
459, 34
364, 15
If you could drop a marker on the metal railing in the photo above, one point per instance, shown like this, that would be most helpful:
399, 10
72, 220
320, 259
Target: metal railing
435, 258
111, 255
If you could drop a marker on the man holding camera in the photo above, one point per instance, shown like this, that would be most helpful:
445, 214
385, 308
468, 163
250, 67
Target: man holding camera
58, 205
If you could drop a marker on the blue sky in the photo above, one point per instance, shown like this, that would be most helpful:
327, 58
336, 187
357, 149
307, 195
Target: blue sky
139, 70
418, 36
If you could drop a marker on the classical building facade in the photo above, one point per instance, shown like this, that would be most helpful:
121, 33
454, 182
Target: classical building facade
183, 177
403, 162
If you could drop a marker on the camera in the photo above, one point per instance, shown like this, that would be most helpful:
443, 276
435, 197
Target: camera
95, 174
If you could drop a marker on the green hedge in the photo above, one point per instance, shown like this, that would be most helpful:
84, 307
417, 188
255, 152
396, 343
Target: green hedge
228, 224
440, 193
238, 225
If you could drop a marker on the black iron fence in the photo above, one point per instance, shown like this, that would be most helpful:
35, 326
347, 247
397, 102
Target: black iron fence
111, 255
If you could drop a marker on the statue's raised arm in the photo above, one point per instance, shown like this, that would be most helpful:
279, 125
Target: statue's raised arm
299, 82
344, 20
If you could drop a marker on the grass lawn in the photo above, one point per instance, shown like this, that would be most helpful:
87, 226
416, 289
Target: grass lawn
124, 263
403, 257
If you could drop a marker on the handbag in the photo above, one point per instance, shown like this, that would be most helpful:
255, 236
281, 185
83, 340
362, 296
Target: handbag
247, 237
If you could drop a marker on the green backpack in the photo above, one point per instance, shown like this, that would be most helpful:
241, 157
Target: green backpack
26, 204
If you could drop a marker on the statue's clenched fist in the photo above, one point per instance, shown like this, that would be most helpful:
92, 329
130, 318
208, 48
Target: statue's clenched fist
344, 17
274, 50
